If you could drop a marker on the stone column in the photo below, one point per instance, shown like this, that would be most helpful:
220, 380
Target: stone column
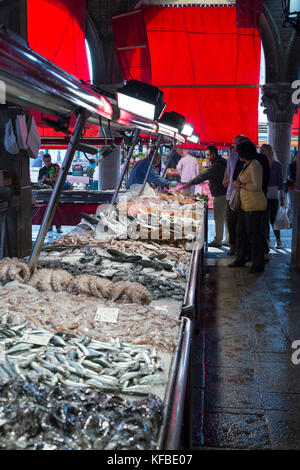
109, 170
277, 100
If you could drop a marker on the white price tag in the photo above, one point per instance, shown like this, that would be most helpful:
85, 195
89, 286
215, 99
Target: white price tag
161, 308
41, 340
109, 315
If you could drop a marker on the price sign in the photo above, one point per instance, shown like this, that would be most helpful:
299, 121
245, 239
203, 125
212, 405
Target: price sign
109, 315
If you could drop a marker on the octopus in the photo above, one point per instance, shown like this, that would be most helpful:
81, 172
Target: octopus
61, 280
92, 285
50, 279
14, 269
134, 292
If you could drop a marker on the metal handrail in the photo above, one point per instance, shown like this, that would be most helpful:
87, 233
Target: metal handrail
175, 396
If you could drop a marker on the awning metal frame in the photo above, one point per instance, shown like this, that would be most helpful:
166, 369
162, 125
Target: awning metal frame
55, 195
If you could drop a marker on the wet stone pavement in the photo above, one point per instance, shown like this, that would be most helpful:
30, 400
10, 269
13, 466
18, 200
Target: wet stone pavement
246, 389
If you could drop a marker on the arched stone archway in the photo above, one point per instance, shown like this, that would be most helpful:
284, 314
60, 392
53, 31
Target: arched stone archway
272, 47
95, 44
293, 60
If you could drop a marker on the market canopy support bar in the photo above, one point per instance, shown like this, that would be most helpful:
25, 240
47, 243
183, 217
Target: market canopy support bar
54, 199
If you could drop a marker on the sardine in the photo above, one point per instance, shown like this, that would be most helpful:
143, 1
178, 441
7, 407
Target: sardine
137, 389
40, 370
57, 341
152, 380
109, 380
101, 384
4, 374
10, 368
92, 365
129, 376
26, 362
52, 367
20, 347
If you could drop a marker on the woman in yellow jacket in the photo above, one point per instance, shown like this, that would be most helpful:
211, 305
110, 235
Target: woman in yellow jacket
250, 225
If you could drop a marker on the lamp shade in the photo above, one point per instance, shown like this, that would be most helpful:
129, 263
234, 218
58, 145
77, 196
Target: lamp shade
195, 138
187, 129
173, 121
141, 99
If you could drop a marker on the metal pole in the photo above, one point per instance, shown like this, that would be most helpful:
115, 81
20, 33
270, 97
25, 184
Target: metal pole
125, 167
295, 254
169, 158
150, 164
53, 201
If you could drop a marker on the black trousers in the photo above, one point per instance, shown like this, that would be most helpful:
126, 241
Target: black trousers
232, 218
250, 234
273, 205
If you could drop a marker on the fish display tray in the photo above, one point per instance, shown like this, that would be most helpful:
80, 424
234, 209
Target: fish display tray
161, 372
43, 195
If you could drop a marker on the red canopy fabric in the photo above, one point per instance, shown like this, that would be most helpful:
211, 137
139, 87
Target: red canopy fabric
295, 125
132, 45
207, 67
56, 30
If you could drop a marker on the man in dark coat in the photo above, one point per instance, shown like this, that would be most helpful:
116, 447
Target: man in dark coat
214, 174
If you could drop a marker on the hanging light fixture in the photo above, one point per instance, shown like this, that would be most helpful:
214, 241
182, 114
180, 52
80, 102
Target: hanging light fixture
171, 122
291, 10
141, 99
187, 130
195, 138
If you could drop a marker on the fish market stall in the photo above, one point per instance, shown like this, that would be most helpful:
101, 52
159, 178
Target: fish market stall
93, 348
71, 204
105, 318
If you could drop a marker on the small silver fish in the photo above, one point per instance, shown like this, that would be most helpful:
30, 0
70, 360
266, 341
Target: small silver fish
138, 389
129, 376
152, 380
20, 347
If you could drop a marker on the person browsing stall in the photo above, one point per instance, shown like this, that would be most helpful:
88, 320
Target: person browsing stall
139, 171
233, 166
214, 174
49, 172
188, 168
251, 220
275, 191
48, 175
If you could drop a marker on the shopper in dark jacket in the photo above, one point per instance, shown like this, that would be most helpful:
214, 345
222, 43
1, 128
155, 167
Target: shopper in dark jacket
214, 175
173, 159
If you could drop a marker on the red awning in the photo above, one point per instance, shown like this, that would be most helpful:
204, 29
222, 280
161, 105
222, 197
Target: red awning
56, 30
295, 125
132, 45
207, 67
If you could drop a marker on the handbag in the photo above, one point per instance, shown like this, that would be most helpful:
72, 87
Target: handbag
10, 140
21, 131
282, 221
33, 138
235, 200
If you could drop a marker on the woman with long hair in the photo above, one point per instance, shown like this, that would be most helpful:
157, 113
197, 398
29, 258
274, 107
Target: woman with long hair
275, 190
251, 216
